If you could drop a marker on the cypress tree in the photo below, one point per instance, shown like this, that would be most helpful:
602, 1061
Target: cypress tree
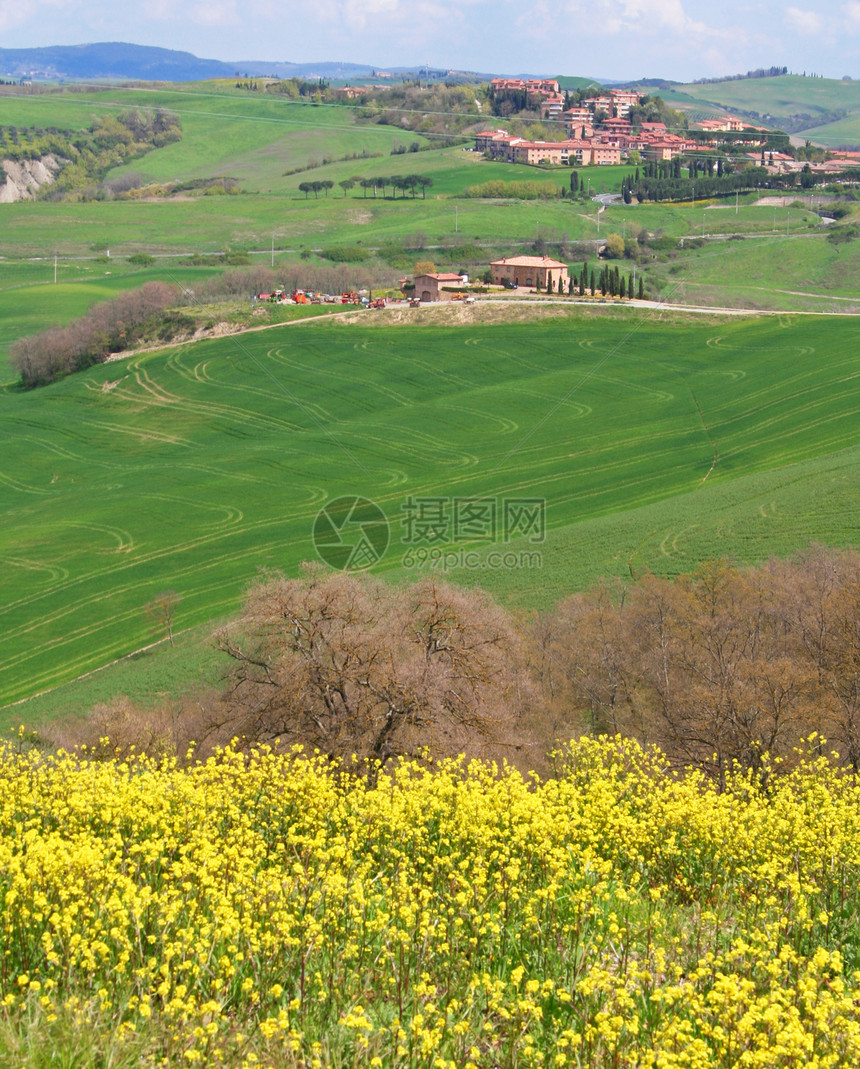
622, 289
630, 285
592, 284
641, 289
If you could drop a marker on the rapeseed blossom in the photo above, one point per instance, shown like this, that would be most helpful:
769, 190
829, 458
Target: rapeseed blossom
264, 910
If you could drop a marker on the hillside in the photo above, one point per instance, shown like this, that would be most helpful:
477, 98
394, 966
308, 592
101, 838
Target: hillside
805, 106
234, 445
120, 61
116, 61
191, 469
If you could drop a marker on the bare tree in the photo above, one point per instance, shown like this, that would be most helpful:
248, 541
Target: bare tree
354, 667
162, 609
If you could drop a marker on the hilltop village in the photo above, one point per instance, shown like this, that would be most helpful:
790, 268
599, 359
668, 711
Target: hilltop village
602, 130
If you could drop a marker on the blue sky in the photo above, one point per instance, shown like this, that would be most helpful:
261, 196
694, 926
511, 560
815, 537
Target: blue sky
619, 39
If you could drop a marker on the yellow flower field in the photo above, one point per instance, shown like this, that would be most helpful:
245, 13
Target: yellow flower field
262, 911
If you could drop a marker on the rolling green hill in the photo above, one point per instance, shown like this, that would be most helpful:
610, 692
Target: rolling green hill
189, 470
791, 102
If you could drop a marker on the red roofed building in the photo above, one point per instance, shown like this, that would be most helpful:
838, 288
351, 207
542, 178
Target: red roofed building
439, 286
531, 271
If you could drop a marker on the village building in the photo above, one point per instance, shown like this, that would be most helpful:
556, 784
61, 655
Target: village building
623, 100
437, 286
668, 147
535, 152
579, 115
538, 86
530, 271
578, 127
552, 107
605, 154
600, 103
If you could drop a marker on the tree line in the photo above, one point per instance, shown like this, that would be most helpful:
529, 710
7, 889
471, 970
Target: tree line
109, 327
405, 183
666, 182
728, 667
159, 313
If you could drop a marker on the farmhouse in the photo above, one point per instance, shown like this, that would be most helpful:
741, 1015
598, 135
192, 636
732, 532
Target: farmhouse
535, 271
438, 286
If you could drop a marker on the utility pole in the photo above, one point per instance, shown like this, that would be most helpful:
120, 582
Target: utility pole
273, 250
456, 219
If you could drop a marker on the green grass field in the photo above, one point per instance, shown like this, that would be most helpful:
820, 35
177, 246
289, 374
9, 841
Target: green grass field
787, 97
191, 469
805, 273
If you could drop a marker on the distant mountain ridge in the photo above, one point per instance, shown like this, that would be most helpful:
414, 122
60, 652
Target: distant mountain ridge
119, 61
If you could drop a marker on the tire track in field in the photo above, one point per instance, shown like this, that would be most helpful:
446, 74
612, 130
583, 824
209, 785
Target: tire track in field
159, 397
55, 571
124, 539
661, 395
675, 551
21, 488
242, 387
317, 496
503, 423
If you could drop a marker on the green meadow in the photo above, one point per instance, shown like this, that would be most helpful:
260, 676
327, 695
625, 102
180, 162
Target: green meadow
782, 98
192, 469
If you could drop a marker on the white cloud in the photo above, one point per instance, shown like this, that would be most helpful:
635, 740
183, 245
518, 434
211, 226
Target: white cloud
852, 16
160, 10
20, 12
803, 21
219, 13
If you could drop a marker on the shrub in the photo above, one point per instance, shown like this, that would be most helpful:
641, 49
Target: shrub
342, 254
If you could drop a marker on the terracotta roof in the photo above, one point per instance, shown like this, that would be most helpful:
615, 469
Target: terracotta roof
528, 261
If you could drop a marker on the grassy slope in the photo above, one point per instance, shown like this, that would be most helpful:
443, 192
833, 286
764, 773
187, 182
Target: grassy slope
772, 98
805, 273
842, 134
191, 470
